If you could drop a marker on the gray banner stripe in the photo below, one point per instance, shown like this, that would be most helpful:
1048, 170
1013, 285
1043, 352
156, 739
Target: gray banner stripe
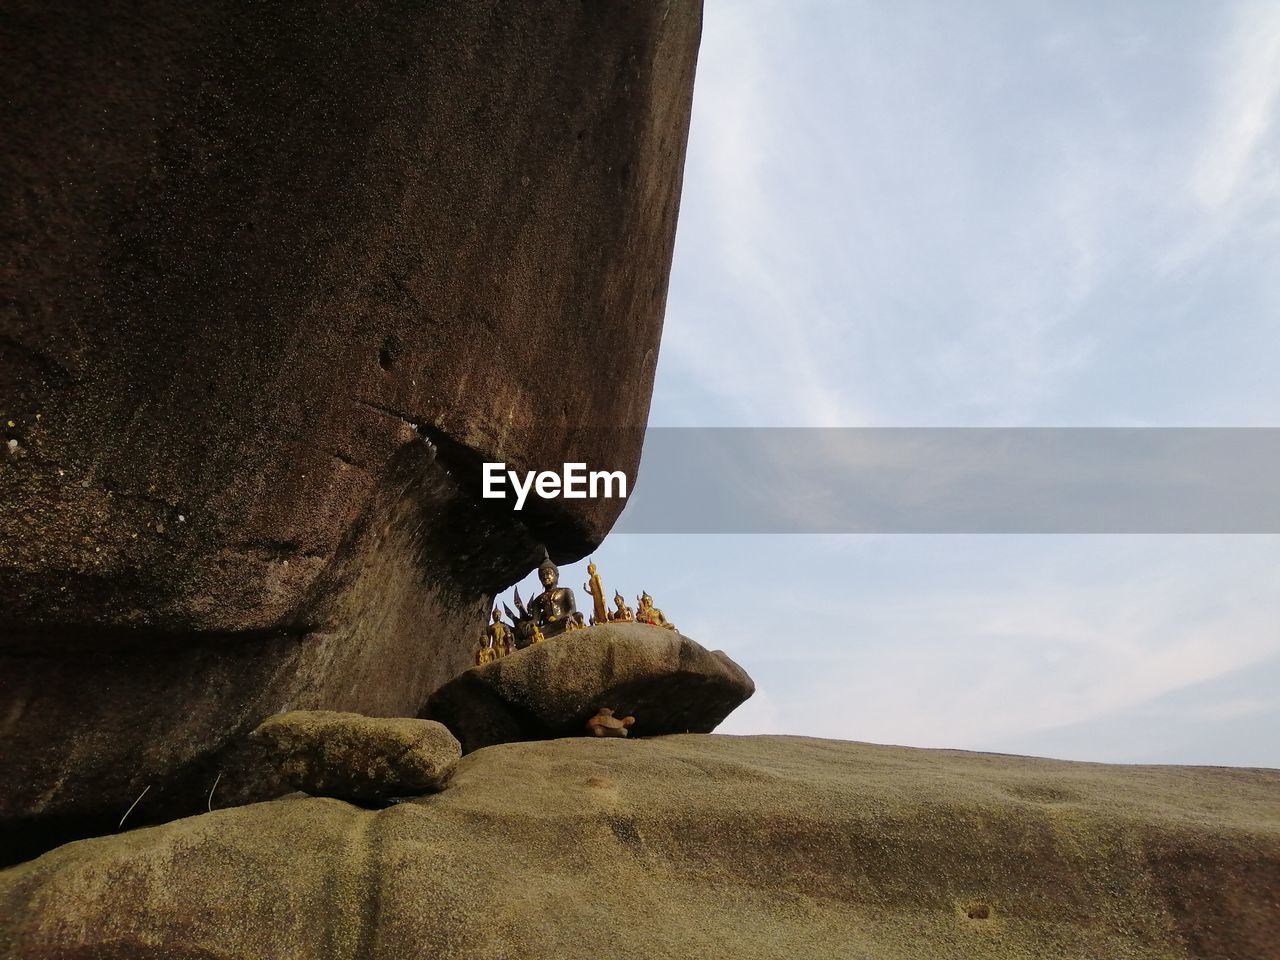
957, 480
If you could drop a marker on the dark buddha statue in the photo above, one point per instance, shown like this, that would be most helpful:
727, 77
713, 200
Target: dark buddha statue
553, 611
554, 608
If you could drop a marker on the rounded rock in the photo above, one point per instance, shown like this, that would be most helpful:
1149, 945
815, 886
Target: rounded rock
669, 683
362, 759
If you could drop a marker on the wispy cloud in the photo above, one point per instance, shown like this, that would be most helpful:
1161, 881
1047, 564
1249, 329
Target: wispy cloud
1030, 635
742, 326
1245, 115
923, 215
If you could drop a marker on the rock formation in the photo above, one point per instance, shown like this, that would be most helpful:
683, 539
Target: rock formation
693, 846
551, 689
278, 278
357, 758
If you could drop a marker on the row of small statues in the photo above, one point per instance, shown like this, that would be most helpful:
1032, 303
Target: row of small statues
555, 611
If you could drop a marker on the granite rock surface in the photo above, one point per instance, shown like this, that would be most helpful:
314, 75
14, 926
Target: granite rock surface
278, 278
362, 759
726, 848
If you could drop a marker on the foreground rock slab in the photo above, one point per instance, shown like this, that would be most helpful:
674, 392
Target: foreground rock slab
750, 848
359, 758
667, 681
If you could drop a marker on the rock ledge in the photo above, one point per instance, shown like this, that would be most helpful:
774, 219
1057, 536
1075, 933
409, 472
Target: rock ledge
669, 683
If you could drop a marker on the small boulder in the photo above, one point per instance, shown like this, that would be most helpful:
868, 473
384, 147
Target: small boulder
666, 681
357, 758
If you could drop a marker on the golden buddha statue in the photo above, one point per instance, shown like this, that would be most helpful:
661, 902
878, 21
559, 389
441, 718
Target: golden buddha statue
623, 614
535, 635
646, 612
499, 636
593, 586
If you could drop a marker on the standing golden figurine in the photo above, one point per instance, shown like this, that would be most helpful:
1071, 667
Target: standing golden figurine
593, 586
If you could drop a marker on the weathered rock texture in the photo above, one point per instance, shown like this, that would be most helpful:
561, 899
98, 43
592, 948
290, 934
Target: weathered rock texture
358, 758
727, 848
277, 277
667, 681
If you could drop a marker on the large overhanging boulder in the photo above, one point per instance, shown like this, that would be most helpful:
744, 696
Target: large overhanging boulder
278, 278
666, 681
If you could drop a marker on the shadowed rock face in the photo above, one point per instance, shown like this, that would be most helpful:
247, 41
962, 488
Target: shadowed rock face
693, 846
278, 278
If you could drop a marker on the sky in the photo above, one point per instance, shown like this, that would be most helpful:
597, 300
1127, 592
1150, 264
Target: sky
1014, 214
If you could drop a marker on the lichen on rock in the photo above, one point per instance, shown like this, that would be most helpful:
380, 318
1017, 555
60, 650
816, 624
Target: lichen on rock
752, 848
362, 759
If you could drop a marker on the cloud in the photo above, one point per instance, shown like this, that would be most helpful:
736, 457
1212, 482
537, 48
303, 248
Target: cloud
1249, 91
1232, 718
740, 326
989, 670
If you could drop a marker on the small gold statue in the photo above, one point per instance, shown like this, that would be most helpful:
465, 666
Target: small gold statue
646, 612
499, 636
605, 724
485, 654
593, 586
623, 614
554, 611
